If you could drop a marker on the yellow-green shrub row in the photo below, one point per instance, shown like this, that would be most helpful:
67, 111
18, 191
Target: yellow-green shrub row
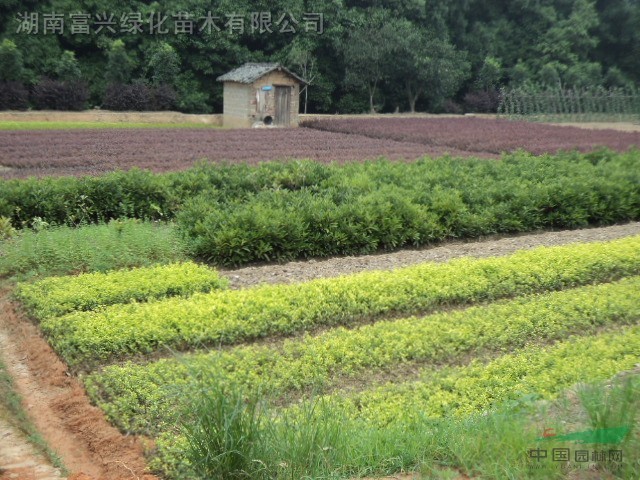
138, 396
57, 296
543, 371
229, 317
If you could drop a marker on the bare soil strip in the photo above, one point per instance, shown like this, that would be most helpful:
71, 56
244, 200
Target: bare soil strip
300, 271
19, 459
78, 432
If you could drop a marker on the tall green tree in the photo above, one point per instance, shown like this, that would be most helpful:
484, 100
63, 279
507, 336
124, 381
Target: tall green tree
426, 65
164, 65
68, 68
119, 64
11, 65
368, 52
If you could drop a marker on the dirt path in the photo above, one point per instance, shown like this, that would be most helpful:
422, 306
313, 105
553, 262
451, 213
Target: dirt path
333, 267
620, 126
90, 448
19, 460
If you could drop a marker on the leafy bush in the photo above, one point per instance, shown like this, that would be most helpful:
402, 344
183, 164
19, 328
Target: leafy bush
464, 390
13, 96
482, 101
134, 97
164, 97
137, 396
6, 229
360, 209
59, 295
234, 214
60, 95
73, 201
229, 317
68, 250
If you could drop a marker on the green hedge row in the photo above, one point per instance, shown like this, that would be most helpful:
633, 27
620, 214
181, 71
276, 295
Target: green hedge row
362, 208
57, 296
233, 214
137, 397
228, 317
534, 371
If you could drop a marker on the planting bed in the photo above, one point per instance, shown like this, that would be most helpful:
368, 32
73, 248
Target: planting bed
86, 152
345, 368
484, 332
481, 135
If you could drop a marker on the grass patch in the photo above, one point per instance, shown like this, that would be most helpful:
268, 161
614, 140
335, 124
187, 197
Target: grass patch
11, 403
230, 433
62, 125
90, 248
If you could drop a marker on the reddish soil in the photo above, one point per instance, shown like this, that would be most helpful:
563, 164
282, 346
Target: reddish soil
83, 152
78, 432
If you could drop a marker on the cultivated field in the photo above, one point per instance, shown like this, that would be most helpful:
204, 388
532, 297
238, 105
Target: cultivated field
86, 152
482, 135
90, 151
153, 345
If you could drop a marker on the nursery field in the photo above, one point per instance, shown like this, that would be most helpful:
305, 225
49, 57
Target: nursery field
80, 151
481, 135
87, 152
157, 331
353, 375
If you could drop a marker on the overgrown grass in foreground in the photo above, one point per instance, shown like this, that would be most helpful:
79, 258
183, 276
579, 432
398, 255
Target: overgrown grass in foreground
231, 317
89, 248
62, 125
231, 433
143, 397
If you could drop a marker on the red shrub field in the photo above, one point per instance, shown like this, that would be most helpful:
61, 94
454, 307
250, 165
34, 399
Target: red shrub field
78, 152
82, 152
481, 134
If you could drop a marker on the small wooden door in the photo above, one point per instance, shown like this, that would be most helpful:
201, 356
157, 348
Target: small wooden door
283, 105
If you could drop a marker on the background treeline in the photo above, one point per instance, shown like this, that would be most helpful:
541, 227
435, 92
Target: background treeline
387, 55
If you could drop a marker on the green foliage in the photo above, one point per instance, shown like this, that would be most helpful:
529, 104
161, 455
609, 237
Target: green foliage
464, 390
331, 437
223, 433
409, 205
235, 214
570, 34
119, 64
59, 295
549, 102
68, 250
229, 317
11, 65
72, 201
489, 75
137, 397
68, 68
164, 64
6, 229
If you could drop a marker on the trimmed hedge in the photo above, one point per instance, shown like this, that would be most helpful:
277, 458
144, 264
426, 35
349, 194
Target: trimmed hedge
136, 397
535, 371
236, 214
57, 296
229, 317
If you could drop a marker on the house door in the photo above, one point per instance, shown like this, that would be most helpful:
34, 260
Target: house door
283, 105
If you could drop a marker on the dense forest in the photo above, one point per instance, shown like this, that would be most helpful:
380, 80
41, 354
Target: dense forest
358, 55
